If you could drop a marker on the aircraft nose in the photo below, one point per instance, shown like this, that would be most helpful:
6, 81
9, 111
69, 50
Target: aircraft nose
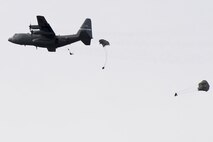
10, 39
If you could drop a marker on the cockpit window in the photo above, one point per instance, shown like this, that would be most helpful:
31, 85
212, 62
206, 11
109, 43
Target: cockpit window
14, 35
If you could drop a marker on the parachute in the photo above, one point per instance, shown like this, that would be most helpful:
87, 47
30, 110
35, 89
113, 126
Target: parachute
202, 86
104, 43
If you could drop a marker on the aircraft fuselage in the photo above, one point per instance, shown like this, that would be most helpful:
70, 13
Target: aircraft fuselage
42, 41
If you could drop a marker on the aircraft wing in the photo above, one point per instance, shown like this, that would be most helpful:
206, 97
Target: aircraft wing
44, 27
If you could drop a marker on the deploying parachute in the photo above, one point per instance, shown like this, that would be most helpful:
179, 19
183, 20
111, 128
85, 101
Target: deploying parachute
202, 86
104, 43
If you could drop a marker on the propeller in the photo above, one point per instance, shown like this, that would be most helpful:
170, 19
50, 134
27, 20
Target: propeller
31, 31
30, 28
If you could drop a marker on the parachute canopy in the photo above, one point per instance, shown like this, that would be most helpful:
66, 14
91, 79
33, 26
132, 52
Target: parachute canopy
104, 42
203, 86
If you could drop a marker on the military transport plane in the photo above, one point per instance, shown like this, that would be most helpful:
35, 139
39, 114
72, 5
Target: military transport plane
43, 36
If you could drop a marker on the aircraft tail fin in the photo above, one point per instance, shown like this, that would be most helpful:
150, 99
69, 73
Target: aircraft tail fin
85, 32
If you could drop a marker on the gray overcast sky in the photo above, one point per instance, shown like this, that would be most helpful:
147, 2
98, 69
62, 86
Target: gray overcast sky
157, 48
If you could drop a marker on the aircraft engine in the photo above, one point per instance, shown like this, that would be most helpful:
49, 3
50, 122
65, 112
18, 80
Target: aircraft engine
41, 32
34, 27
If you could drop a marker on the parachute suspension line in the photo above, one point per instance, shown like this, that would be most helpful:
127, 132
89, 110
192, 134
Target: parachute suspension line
188, 90
106, 57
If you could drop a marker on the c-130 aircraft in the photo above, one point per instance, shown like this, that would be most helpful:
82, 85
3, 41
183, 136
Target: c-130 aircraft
43, 36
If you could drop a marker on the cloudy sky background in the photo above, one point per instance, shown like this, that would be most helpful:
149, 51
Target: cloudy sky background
157, 48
